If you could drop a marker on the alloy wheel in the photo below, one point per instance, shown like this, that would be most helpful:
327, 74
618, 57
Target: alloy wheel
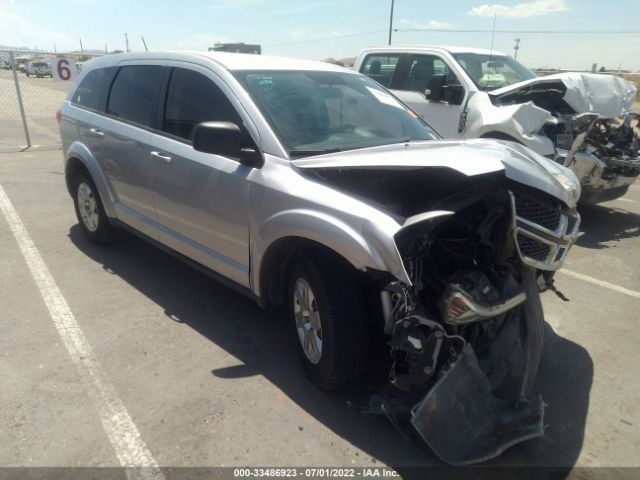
307, 318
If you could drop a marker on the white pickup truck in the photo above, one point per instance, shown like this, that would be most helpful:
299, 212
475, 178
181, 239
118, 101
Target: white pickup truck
580, 120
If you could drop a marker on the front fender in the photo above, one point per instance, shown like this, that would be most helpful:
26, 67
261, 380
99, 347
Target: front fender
80, 152
366, 246
522, 122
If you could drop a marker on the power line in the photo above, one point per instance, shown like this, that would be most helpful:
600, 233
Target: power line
458, 30
320, 39
565, 32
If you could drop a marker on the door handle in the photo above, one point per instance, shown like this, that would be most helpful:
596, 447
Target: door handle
161, 157
96, 133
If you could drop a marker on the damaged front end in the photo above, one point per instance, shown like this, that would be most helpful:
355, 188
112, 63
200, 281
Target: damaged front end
466, 337
589, 125
604, 153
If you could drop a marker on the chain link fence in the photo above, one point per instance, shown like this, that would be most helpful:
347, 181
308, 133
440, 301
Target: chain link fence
29, 98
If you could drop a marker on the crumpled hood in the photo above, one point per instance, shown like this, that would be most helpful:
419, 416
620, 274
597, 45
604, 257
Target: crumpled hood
469, 157
607, 95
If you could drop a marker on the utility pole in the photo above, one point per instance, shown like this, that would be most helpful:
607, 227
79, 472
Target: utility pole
145, 44
81, 47
516, 48
391, 22
126, 41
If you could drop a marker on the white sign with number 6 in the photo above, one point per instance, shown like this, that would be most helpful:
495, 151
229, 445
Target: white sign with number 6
64, 69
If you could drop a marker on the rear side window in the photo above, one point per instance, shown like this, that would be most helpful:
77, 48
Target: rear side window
380, 67
193, 98
134, 93
92, 90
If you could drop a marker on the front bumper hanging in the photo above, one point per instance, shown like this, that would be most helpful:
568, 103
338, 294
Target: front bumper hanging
463, 423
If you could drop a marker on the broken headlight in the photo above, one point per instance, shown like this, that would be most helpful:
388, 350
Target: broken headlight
564, 177
471, 297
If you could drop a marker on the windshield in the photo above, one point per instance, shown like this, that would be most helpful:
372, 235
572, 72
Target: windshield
489, 72
315, 112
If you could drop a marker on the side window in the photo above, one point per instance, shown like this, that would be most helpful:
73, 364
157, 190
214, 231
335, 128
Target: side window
422, 68
380, 67
441, 67
91, 91
193, 98
134, 93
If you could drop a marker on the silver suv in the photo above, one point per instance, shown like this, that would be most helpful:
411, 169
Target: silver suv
309, 186
39, 69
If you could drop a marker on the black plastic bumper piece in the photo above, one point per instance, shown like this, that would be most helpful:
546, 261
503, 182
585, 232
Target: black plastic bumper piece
463, 423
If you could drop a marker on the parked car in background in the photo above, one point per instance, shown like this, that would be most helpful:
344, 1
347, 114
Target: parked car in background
5, 65
580, 120
39, 69
309, 186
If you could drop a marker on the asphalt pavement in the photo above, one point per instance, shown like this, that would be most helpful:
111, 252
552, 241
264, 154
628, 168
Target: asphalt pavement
206, 378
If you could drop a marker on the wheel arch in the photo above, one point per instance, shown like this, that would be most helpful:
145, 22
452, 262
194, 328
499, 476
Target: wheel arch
279, 259
276, 264
286, 235
79, 158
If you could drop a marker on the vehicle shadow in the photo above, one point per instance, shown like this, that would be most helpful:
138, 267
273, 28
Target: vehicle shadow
263, 343
603, 224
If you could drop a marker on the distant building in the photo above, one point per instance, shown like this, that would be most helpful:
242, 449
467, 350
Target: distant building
237, 48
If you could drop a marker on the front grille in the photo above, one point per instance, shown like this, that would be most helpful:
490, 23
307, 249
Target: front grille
542, 230
544, 214
532, 248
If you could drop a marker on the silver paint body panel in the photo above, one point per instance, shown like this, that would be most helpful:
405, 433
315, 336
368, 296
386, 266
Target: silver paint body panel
225, 215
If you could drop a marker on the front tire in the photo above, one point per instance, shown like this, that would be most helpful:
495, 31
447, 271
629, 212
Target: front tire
89, 210
327, 313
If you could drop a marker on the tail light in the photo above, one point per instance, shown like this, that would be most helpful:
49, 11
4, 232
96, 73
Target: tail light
59, 115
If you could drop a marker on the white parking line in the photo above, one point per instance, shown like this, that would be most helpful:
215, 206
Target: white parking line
600, 283
118, 425
628, 200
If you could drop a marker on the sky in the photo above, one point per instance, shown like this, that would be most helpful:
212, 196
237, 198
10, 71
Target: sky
317, 29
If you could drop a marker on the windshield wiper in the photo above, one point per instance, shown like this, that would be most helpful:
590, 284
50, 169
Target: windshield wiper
304, 153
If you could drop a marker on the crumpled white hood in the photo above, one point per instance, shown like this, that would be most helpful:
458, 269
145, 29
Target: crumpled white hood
607, 95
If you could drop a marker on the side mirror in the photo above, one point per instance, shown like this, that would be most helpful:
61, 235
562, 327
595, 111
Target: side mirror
227, 139
436, 87
454, 94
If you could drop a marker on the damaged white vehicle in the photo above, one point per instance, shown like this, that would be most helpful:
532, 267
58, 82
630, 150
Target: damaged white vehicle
308, 186
580, 120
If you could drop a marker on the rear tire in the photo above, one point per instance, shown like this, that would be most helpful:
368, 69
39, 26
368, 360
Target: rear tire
89, 210
327, 314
